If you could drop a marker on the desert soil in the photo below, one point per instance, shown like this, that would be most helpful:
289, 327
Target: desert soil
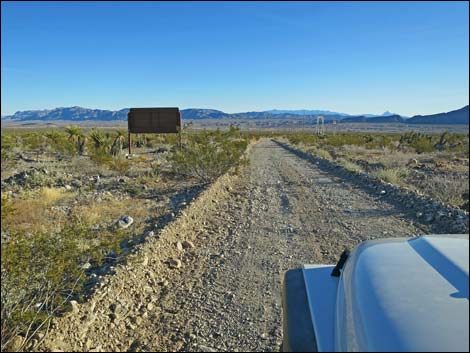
211, 280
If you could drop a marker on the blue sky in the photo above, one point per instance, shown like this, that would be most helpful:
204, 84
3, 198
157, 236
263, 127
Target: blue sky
362, 57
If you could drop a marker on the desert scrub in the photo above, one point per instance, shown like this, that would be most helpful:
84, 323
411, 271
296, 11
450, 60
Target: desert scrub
7, 209
106, 161
207, 155
41, 272
323, 154
428, 143
306, 139
58, 142
37, 179
449, 189
422, 144
8, 144
31, 297
351, 166
119, 164
392, 175
34, 211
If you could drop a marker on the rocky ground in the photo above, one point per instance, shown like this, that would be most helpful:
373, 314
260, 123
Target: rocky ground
149, 197
440, 175
211, 279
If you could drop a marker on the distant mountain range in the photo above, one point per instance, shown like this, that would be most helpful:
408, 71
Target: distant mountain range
304, 112
70, 113
320, 112
376, 119
459, 116
79, 114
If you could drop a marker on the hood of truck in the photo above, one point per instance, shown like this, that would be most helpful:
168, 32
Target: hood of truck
405, 295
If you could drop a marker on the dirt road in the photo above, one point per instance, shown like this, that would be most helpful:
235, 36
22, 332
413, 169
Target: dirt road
289, 213
282, 212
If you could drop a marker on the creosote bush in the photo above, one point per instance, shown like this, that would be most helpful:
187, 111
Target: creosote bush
38, 275
207, 155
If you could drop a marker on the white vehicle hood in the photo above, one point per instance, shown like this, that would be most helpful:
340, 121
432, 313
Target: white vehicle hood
405, 295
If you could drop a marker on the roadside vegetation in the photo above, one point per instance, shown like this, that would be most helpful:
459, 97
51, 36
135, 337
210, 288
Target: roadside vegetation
209, 154
436, 165
74, 204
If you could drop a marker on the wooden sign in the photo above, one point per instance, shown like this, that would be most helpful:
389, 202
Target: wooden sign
154, 120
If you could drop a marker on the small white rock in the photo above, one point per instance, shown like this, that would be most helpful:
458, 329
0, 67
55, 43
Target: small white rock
75, 308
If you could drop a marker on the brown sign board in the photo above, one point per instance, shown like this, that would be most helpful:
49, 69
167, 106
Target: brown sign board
154, 120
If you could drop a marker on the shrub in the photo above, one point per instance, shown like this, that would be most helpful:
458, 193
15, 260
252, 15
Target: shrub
420, 142
208, 155
351, 166
119, 164
58, 142
324, 154
307, 139
7, 209
29, 298
450, 189
38, 179
8, 144
40, 273
118, 142
391, 175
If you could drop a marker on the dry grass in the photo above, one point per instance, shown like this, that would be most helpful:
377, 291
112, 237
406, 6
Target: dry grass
351, 166
389, 158
120, 165
36, 213
442, 175
84, 166
323, 154
449, 189
49, 196
392, 175
42, 211
107, 211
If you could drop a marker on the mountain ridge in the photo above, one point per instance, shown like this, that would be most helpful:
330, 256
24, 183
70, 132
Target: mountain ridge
76, 113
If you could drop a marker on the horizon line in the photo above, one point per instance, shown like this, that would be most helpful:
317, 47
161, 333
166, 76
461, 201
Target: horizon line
239, 112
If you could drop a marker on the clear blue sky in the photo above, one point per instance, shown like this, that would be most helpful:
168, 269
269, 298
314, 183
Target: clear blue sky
362, 57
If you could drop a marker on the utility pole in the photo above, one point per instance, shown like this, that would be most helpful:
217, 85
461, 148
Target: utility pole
320, 125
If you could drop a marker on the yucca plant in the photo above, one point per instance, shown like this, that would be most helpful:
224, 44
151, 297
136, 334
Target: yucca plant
76, 136
118, 142
73, 132
98, 138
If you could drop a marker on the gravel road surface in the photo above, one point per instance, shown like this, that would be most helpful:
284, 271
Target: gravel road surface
282, 212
